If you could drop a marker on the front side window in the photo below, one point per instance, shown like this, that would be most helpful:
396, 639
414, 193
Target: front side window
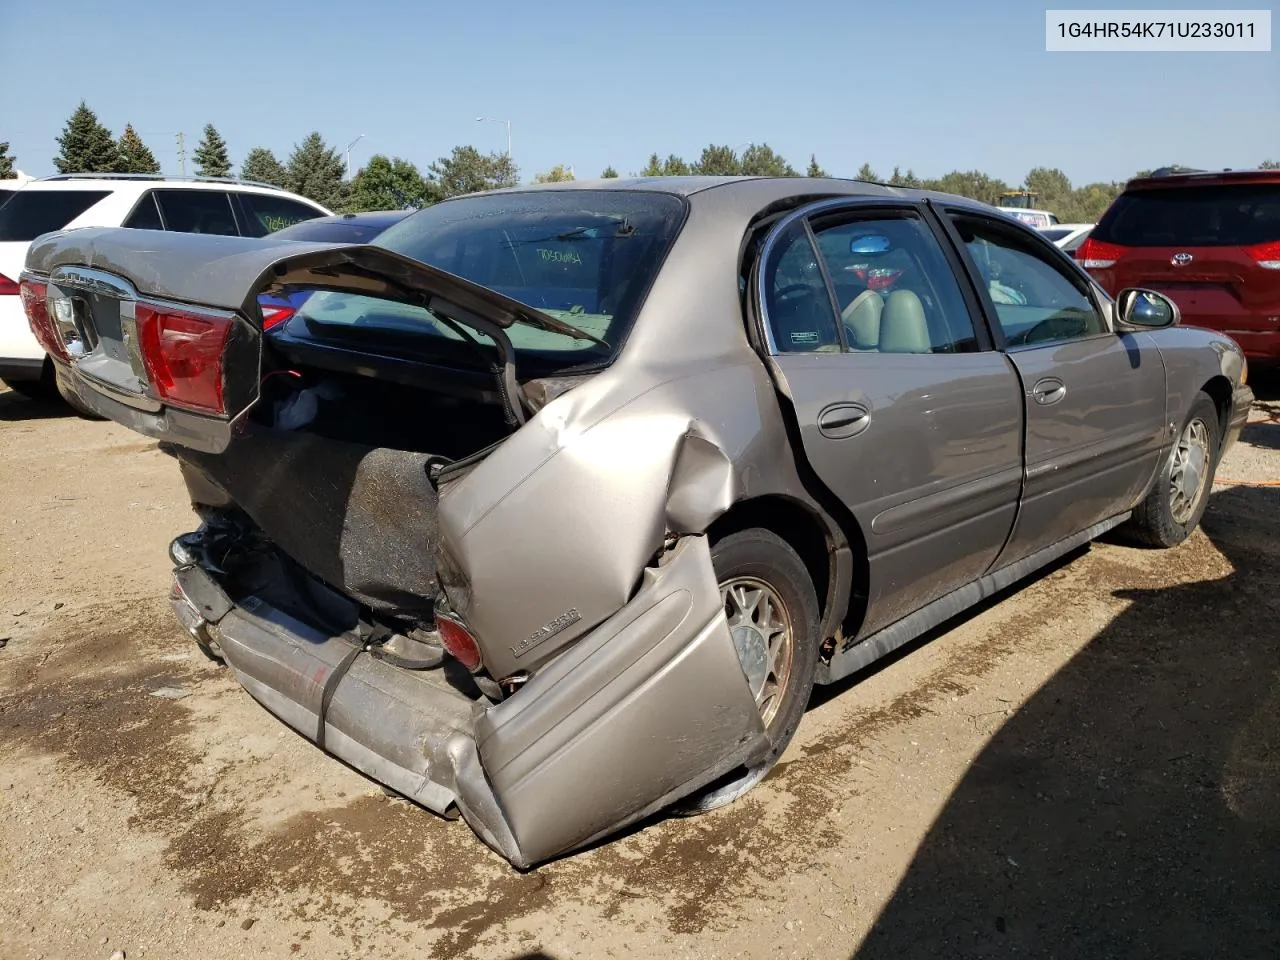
893, 287
197, 211
1035, 299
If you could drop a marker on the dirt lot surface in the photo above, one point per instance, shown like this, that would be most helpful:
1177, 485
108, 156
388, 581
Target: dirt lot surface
1089, 767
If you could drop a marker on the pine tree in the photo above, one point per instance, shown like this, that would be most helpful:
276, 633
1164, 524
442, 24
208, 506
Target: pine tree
134, 155
609, 173
8, 162
261, 164
315, 171
87, 146
211, 155
815, 170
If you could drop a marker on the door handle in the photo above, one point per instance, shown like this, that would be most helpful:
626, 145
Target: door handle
843, 420
1049, 390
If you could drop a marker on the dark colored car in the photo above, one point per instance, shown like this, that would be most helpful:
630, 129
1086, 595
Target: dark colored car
1208, 241
341, 228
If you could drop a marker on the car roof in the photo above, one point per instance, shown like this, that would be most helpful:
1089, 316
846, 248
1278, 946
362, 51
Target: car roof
753, 193
138, 183
1202, 178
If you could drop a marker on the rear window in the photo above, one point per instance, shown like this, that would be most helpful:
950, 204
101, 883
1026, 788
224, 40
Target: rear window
1201, 216
267, 213
585, 257
1054, 235
29, 213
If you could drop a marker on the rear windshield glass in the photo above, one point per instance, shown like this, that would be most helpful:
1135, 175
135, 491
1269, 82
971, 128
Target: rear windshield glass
29, 213
1054, 235
1205, 216
585, 257
330, 231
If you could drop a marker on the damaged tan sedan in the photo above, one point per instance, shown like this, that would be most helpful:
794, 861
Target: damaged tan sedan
550, 506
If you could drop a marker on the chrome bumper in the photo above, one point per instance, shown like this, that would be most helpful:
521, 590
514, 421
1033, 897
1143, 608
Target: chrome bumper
645, 709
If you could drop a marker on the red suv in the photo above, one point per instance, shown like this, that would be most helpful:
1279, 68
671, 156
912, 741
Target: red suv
1209, 241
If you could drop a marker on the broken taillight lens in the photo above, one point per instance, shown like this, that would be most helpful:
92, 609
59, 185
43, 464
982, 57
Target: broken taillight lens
183, 351
35, 303
273, 315
457, 639
7, 287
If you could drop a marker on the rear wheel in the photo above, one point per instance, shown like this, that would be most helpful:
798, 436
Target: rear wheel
41, 388
1177, 500
772, 610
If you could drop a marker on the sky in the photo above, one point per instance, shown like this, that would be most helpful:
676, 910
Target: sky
921, 84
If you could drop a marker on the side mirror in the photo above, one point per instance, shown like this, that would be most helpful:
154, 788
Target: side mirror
1138, 309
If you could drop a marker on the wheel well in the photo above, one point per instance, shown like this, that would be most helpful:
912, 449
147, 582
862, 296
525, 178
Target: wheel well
1219, 390
794, 524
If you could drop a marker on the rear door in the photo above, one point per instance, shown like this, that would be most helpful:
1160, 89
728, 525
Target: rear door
1094, 400
1214, 249
905, 413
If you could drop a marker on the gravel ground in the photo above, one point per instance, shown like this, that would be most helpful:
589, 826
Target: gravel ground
1087, 767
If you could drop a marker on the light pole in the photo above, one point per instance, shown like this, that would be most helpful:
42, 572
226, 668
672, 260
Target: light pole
496, 120
349, 146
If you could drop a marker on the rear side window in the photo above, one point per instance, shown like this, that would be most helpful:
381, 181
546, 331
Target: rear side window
29, 213
145, 215
266, 214
1227, 215
197, 211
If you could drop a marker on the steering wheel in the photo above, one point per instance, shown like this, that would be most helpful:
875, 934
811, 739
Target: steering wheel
1056, 327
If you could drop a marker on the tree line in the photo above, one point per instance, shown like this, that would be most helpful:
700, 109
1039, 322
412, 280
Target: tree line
315, 170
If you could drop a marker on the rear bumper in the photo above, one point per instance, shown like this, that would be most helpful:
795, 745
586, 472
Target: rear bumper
648, 707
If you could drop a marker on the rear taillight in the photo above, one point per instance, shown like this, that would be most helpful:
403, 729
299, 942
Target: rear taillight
273, 316
455, 638
1266, 254
7, 287
183, 352
1098, 255
35, 303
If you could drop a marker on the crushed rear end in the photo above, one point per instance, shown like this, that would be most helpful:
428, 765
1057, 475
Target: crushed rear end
378, 563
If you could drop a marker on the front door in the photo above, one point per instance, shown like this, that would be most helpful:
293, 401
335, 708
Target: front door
905, 413
1094, 399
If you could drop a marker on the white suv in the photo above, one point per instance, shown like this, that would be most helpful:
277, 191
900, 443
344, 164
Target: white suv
197, 205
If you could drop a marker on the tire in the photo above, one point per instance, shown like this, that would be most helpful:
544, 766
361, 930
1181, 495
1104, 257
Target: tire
749, 560
42, 388
74, 403
1173, 509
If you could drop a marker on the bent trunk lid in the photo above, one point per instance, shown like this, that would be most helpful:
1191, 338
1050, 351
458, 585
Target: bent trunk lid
108, 272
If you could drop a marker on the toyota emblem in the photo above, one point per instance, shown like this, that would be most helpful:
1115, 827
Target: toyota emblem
1181, 259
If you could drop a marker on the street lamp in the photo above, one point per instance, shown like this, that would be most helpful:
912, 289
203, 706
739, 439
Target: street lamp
496, 120
349, 146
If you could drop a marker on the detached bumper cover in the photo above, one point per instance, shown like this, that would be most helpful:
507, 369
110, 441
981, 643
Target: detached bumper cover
648, 707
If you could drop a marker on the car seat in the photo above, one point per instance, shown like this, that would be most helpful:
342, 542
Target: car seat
862, 320
803, 324
903, 327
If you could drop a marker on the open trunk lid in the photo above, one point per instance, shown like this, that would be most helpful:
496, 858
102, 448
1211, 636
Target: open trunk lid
163, 333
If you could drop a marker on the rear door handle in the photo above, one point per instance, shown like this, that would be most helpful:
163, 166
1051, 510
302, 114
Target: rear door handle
1049, 390
843, 420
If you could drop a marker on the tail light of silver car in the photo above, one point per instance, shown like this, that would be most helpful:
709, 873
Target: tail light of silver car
457, 639
183, 351
8, 288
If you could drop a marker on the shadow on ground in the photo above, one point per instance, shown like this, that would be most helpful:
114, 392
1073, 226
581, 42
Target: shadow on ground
15, 407
1132, 807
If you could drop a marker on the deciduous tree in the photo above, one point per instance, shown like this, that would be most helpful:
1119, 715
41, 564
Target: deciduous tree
211, 154
718, 161
760, 160
557, 174
467, 170
389, 183
8, 162
87, 146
